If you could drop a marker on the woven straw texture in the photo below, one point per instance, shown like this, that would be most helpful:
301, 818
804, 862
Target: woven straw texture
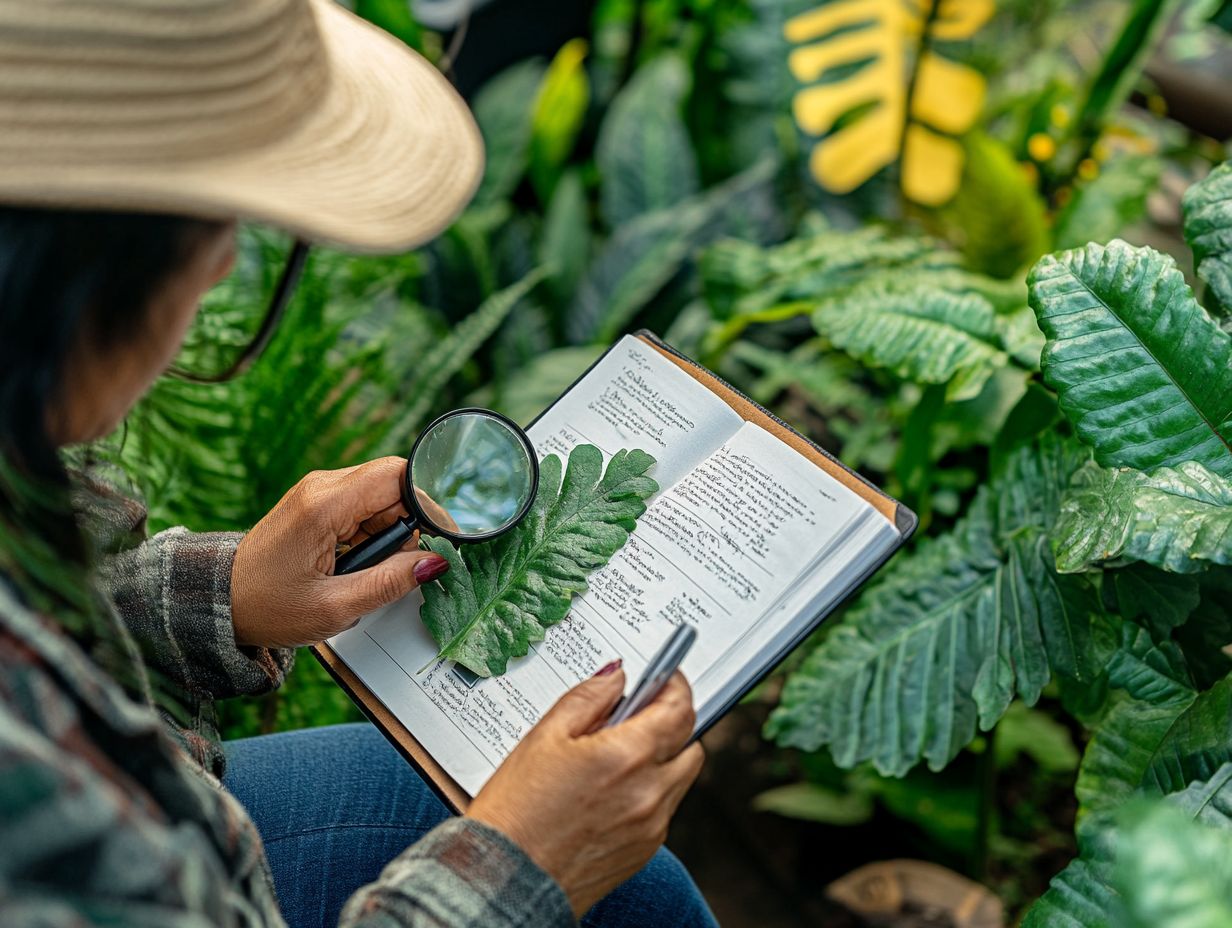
294, 113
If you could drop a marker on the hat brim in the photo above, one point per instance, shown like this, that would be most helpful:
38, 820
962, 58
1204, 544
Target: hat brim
383, 162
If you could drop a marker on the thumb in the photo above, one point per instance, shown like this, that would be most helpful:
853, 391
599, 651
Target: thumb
584, 707
353, 595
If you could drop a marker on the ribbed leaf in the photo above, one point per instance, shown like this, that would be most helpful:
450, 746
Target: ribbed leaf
1162, 600
499, 596
1141, 370
643, 152
1155, 866
1208, 229
1177, 518
951, 633
921, 334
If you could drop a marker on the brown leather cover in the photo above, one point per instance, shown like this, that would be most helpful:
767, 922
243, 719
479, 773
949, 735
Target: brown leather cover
415, 753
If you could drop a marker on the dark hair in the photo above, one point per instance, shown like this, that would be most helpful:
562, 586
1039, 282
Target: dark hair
68, 279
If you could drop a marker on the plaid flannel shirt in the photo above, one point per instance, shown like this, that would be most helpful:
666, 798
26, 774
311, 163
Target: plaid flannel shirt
112, 810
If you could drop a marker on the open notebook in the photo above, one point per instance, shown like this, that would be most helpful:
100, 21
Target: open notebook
755, 536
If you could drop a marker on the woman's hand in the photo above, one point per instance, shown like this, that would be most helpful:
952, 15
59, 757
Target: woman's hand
591, 805
283, 592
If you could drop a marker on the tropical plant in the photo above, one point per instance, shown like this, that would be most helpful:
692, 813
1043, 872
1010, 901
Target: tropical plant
1097, 556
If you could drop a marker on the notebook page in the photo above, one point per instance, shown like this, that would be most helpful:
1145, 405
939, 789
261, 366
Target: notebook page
633, 398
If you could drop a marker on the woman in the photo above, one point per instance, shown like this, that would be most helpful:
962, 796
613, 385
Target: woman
134, 134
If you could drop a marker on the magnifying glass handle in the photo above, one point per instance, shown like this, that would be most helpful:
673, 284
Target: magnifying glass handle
376, 548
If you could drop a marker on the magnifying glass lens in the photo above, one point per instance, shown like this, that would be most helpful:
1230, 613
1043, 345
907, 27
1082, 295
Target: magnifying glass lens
473, 474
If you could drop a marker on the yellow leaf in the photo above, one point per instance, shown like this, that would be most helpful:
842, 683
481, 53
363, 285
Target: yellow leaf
960, 19
948, 96
932, 166
845, 160
861, 119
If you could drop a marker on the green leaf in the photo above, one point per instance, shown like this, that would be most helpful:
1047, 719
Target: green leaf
1141, 370
1158, 865
564, 247
1172, 871
1161, 599
501, 595
951, 633
1177, 518
815, 803
1208, 630
920, 334
647, 252
504, 109
645, 159
557, 119
997, 219
1110, 202
1208, 229
451, 352
1037, 734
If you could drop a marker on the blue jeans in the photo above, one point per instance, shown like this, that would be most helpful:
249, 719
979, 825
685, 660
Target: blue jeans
335, 805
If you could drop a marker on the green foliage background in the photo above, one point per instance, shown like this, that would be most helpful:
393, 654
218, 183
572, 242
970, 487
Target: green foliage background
1061, 422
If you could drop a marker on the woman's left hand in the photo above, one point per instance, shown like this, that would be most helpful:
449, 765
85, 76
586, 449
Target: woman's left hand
283, 592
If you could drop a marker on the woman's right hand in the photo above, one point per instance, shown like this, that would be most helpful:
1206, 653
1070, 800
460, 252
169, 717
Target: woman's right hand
591, 805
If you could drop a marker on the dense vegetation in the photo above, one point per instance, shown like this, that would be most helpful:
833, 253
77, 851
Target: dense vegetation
899, 225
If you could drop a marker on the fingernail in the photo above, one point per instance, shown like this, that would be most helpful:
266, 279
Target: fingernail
428, 568
609, 668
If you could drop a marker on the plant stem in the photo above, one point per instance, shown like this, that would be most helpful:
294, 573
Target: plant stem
986, 786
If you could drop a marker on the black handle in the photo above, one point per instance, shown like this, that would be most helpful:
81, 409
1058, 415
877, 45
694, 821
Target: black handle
376, 548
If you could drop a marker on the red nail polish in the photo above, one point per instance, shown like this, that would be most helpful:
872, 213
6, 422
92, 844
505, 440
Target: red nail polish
609, 668
428, 568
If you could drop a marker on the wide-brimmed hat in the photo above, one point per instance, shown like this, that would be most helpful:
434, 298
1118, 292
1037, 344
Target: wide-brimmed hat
294, 113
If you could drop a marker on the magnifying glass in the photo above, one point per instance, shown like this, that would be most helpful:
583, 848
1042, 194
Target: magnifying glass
471, 475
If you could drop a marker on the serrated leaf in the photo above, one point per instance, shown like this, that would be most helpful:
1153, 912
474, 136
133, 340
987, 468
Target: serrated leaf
951, 633
922, 335
499, 596
645, 159
1140, 369
1176, 518
1207, 206
853, 56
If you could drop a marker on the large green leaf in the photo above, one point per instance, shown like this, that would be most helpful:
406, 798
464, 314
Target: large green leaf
920, 334
645, 159
951, 633
1208, 229
1177, 518
1140, 368
647, 252
1172, 871
501, 595
1162, 865
557, 119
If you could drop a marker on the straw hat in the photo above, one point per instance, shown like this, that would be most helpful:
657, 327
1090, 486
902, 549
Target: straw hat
294, 113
